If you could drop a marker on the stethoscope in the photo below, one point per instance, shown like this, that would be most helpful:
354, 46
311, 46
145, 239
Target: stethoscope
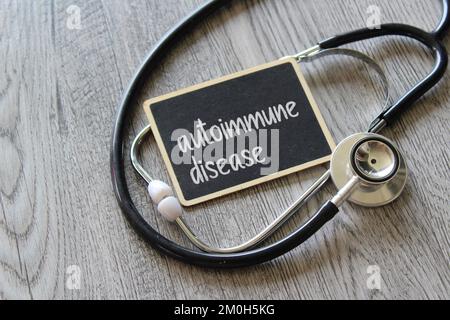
367, 168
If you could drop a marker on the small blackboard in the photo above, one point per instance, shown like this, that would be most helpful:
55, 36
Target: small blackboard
238, 131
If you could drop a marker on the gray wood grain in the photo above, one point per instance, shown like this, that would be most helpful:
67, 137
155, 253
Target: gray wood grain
58, 93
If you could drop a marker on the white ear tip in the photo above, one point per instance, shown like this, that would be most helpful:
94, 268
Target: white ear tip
158, 190
170, 208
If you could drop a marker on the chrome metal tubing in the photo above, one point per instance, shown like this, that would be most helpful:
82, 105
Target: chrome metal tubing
263, 235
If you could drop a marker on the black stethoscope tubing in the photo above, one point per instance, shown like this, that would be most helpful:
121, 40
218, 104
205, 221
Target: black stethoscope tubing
260, 255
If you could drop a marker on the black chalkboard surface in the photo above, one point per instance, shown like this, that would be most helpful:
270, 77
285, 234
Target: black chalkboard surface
238, 131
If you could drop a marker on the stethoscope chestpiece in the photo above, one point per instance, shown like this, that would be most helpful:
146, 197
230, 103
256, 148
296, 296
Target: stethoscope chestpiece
377, 164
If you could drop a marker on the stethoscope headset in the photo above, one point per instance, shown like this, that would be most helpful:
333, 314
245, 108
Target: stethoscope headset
367, 168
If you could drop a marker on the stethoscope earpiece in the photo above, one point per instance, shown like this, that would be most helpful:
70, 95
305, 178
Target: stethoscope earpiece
374, 167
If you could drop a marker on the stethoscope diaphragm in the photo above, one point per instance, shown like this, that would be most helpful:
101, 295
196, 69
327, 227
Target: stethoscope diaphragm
378, 165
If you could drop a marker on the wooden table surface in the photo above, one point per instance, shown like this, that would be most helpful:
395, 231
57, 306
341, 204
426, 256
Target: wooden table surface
60, 86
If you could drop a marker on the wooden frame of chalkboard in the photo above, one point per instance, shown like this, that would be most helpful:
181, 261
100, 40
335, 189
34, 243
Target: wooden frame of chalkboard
327, 138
